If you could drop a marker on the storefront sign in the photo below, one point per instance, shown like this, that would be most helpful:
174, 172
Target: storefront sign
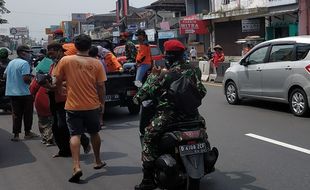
167, 34
193, 27
252, 25
273, 3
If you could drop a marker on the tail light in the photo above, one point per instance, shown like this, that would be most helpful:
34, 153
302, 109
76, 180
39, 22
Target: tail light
308, 68
191, 142
131, 92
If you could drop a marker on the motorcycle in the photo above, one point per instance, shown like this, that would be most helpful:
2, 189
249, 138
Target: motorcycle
186, 157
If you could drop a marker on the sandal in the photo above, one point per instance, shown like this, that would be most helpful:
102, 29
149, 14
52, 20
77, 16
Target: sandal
97, 167
76, 176
15, 138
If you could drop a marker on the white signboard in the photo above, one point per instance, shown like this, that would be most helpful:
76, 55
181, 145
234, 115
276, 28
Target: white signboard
116, 34
150, 34
19, 31
87, 27
166, 34
273, 3
252, 25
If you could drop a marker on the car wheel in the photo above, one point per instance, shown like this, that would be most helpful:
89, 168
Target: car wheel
231, 93
298, 102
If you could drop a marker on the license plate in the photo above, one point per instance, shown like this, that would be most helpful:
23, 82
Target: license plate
111, 98
192, 149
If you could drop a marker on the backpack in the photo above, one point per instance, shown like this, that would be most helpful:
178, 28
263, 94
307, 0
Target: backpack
185, 94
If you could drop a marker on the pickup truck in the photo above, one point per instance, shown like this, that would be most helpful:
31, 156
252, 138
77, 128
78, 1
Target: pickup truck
120, 88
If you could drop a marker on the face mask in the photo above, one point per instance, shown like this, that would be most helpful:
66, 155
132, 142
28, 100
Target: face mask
169, 60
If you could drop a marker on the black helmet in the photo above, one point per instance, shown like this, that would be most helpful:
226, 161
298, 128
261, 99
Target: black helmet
140, 32
4, 53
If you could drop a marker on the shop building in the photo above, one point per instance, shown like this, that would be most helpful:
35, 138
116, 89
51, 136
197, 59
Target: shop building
231, 20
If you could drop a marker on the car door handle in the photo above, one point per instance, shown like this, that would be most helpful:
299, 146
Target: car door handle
259, 69
288, 68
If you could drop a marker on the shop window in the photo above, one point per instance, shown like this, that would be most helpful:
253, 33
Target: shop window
225, 2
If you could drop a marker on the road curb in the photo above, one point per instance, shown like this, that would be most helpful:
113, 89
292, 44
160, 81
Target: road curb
213, 84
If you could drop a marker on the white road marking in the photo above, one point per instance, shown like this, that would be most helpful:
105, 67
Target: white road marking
279, 143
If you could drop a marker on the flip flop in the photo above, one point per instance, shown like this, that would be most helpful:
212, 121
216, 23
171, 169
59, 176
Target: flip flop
100, 166
76, 176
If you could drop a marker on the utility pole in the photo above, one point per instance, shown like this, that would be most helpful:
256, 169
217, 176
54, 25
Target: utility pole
304, 20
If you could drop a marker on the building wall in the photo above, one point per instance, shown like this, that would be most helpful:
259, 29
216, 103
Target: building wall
196, 6
218, 5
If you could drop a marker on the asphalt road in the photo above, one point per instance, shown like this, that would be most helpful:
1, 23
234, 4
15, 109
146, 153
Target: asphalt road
262, 147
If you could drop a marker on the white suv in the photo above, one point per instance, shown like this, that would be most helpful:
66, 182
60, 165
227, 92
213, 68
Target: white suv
275, 70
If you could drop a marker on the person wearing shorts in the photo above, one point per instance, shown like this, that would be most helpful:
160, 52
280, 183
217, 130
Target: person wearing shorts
85, 89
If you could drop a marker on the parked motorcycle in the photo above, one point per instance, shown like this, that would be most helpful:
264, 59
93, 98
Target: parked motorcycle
186, 157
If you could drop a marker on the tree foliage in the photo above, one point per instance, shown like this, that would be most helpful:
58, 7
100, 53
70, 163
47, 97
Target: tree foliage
3, 10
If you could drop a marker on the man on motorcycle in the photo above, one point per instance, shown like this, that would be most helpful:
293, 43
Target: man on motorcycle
157, 88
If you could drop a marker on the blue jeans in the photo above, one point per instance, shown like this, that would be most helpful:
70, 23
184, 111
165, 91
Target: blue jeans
142, 70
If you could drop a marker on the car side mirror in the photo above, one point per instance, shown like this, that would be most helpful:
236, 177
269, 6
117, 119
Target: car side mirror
245, 62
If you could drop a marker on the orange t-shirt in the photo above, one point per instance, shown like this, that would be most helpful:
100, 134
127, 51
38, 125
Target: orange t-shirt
82, 75
144, 51
70, 49
112, 64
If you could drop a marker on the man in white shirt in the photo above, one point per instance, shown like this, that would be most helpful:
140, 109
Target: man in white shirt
193, 54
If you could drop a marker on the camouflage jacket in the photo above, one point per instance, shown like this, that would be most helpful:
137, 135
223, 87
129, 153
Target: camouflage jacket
130, 52
156, 87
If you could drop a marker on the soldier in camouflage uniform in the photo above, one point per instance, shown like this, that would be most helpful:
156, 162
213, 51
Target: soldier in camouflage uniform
130, 48
155, 88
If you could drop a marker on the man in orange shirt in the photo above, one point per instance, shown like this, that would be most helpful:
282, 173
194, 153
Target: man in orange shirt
85, 80
143, 59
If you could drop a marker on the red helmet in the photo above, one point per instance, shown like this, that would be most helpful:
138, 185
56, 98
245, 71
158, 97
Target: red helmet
174, 45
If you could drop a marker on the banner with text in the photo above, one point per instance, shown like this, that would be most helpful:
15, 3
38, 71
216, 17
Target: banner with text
193, 27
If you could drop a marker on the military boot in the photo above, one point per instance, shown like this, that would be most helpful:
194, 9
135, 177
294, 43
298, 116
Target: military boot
148, 177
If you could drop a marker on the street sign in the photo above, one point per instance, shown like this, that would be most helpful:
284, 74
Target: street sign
19, 31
